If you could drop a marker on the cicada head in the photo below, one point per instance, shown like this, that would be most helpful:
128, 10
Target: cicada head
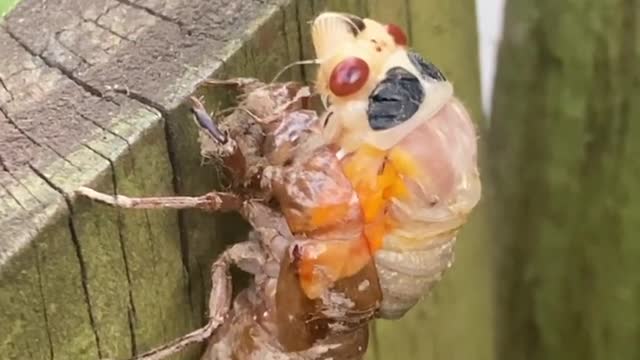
351, 53
377, 87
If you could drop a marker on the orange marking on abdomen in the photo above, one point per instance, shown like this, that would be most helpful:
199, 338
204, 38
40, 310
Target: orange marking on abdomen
378, 177
323, 263
328, 215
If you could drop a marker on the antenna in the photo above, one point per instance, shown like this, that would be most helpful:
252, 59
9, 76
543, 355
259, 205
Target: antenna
301, 62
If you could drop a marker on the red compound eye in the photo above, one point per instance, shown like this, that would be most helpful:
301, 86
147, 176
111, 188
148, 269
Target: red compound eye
349, 76
397, 34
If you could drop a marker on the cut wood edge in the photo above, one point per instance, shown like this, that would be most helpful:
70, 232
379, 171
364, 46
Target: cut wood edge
53, 185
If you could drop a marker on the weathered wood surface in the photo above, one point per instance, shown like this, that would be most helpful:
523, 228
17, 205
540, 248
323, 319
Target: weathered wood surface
91, 93
564, 157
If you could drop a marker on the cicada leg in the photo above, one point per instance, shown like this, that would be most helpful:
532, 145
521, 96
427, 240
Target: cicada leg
205, 122
213, 201
262, 218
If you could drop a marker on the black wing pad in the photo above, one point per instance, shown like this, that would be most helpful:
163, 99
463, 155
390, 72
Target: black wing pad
395, 99
427, 69
356, 22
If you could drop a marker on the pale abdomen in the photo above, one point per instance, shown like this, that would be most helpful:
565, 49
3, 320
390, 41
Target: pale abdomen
442, 189
402, 288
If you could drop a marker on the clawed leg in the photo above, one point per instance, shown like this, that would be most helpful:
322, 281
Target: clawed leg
205, 122
246, 255
224, 146
256, 213
213, 201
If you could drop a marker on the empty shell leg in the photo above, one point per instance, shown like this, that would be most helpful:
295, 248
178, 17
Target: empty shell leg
205, 122
244, 254
213, 201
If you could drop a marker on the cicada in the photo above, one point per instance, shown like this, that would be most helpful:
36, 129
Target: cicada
407, 145
354, 212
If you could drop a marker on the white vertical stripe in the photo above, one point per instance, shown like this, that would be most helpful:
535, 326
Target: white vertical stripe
490, 19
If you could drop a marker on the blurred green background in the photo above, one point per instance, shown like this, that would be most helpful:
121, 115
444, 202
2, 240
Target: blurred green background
563, 165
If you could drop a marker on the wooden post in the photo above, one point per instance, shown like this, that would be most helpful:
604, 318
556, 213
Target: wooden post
95, 97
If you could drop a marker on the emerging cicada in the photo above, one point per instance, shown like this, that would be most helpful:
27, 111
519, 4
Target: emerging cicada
408, 147
368, 197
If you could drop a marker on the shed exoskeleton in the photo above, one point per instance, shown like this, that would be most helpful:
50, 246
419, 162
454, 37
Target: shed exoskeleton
273, 148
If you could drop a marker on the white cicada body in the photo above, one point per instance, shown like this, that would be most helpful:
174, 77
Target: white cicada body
408, 147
